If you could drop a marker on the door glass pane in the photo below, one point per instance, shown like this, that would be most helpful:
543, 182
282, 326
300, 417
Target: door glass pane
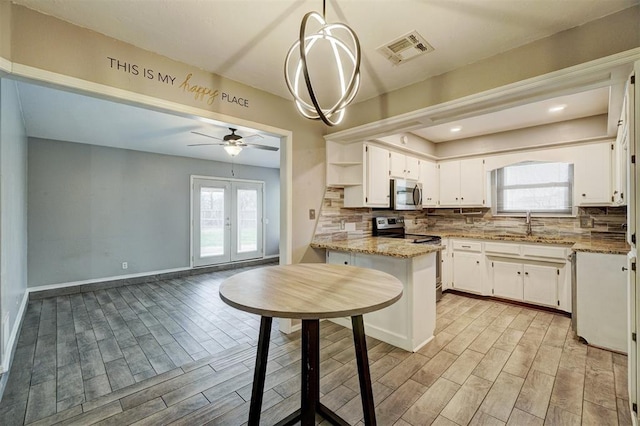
211, 222
247, 220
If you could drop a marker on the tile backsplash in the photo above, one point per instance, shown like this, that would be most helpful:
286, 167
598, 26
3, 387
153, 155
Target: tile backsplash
337, 222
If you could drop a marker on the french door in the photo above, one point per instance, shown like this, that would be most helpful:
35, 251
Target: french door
227, 223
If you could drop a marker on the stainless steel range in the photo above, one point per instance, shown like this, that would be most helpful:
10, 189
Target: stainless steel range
393, 227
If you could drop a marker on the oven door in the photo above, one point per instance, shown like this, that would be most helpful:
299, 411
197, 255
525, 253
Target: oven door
407, 194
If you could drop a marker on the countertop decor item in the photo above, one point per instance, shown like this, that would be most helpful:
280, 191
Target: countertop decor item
314, 47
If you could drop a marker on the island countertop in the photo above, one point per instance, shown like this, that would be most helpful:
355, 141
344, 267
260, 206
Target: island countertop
394, 247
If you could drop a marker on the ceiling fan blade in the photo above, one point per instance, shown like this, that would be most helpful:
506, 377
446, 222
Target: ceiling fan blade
207, 144
205, 135
255, 135
265, 147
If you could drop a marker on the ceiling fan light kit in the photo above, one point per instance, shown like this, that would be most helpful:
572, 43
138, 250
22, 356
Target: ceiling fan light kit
233, 143
349, 82
233, 150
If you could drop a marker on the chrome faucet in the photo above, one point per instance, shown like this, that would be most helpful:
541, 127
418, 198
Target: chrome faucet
528, 222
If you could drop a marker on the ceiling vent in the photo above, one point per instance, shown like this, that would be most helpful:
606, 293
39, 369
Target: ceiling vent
405, 48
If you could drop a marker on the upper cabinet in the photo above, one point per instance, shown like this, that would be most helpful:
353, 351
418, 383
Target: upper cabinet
592, 175
462, 183
403, 166
430, 183
363, 170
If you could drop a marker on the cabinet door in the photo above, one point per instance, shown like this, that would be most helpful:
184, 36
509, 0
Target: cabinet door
397, 165
467, 271
472, 182
507, 279
449, 183
620, 168
429, 179
541, 285
412, 168
592, 175
377, 185
338, 257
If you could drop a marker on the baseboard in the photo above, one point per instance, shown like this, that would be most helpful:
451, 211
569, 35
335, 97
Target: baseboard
65, 289
10, 350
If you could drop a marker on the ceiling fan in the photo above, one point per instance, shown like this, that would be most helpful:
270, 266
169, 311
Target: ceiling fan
233, 143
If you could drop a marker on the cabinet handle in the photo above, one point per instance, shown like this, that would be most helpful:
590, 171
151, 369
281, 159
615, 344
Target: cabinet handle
466, 246
518, 272
346, 263
584, 195
462, 198
526, 273
624, 269
478, 262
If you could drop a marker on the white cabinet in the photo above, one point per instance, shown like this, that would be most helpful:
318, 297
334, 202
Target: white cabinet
430, 183
534, 283
371, 187
540, 284
467, 263
601, 299
338, 258
621, 161
410, 322
507, 279
592, 175
403, 166
462, 183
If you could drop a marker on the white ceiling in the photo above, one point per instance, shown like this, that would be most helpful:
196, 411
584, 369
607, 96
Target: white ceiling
247, 40
583, 104
58, 115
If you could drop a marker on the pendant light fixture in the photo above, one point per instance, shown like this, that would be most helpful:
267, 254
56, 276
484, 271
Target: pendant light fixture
345, 47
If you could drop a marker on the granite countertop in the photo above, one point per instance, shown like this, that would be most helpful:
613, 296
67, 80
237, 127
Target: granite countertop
602, 246
406, 249
591, 246
394, 247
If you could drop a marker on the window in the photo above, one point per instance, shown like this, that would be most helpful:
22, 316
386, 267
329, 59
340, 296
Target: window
534, 186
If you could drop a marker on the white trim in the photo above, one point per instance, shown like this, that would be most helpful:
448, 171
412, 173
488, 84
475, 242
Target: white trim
26, 72
104, 279
31, 73
592, 74
5, 65
7, 356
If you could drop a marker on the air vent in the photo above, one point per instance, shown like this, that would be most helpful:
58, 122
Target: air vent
405, 48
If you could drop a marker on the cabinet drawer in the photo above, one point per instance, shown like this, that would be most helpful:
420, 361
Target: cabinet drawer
543, 251
467, 246
502, 248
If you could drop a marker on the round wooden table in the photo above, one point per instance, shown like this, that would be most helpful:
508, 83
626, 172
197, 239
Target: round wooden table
311, 292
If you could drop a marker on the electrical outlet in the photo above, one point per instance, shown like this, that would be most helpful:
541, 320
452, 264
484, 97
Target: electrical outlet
125, 265
312, 214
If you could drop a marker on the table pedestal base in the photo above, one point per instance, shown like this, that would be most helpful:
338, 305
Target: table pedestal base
310, 389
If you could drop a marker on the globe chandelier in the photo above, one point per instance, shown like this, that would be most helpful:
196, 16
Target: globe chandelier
345, 47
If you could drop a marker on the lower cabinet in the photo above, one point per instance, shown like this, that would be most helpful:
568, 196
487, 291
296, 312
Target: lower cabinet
532, 283
541, 284
507, 279
467, 271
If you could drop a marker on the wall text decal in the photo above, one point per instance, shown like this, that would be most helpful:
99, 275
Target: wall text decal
199, 92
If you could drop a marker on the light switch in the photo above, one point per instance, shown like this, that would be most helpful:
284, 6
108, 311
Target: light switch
312, 214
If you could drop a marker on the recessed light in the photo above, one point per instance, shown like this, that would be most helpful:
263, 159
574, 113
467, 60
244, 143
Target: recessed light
557, 108
455, 129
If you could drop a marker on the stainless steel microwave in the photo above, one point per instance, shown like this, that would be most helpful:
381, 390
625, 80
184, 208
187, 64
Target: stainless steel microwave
406, 194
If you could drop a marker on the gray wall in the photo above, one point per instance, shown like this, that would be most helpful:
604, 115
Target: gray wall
92, 208
13, 207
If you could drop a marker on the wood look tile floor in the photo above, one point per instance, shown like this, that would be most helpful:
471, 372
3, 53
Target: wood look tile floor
171, 352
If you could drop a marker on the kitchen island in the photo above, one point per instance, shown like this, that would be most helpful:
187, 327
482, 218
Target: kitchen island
410, 323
